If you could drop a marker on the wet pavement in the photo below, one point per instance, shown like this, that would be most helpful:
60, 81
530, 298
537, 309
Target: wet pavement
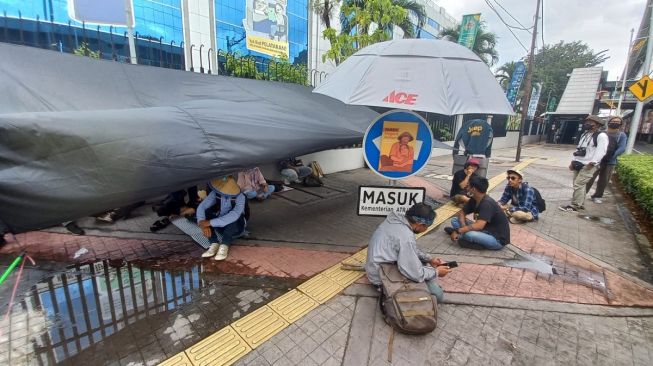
139, 312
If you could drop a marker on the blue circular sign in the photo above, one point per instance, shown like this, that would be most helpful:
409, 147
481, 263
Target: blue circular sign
398, 144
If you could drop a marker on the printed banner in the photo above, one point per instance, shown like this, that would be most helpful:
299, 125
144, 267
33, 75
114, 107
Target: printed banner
515, 82
266, 26
398, 146
535, 99
468, 29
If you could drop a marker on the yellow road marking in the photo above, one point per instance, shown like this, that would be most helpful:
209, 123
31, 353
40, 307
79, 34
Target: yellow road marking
234, 341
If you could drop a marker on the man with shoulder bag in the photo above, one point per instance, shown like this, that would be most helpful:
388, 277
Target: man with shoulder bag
591, 149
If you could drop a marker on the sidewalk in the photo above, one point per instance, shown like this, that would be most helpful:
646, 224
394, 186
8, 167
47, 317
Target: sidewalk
596, 309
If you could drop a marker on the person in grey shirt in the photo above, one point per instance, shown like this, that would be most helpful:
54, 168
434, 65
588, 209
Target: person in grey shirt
394, 241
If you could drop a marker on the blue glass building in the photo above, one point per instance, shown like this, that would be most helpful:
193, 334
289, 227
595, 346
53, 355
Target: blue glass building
46, 24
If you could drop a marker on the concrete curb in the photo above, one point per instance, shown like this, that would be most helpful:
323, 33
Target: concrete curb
360, 290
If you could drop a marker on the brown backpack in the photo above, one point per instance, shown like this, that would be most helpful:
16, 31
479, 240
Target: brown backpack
407, 306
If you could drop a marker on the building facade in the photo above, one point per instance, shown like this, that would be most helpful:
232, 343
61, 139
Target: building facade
195, 35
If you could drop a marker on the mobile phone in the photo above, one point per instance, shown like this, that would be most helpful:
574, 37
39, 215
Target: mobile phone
452, 264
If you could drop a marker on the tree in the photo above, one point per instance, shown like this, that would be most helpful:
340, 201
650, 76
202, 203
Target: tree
504, 74
484, 45
84, 50
325, 9
372, 20
554, 62
406, 25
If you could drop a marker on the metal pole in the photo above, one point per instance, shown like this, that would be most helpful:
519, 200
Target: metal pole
528, 86
130, 31
646, 68
625, 75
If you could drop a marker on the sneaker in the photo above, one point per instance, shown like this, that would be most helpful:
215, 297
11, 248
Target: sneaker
597, 200
107, 217
211, 251
223, 252
449, 230
568, 208
513, 220
74, 229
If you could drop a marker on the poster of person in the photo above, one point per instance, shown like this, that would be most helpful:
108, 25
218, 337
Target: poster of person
266, 27
398, 146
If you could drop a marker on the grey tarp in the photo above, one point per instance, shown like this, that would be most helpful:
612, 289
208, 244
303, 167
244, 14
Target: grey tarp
79, 136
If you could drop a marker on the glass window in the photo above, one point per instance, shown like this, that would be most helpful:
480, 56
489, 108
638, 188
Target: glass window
433, 23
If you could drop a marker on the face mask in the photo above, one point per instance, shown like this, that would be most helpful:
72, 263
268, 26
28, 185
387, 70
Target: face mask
588, 126
614, 125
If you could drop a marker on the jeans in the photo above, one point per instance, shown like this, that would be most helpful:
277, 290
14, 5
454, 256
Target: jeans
294, 176
228, 233
477, 239
435, 290
580, 183
253, 194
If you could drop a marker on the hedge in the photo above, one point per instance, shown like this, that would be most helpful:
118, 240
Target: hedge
636, 174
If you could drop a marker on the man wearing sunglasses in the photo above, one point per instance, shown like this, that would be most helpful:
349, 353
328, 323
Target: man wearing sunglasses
518, 199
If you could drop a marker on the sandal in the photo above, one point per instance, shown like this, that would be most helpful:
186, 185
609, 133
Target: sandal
160, 224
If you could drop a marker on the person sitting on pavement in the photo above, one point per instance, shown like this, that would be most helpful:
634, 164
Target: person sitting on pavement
175, 204
221, 216
253, 184
588, 155
460, 181
293, 170
490, 229
518, 199
394, 241
608, 163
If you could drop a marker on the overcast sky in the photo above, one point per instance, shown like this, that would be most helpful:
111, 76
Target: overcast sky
602, 24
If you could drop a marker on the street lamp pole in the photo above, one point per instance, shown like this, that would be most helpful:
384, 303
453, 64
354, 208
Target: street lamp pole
625, 75
529, 80
646, 68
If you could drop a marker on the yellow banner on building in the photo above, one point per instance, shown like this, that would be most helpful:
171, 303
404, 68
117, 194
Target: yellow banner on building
268, 47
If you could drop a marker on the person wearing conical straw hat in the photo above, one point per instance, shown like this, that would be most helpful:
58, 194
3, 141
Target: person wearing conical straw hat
221, 216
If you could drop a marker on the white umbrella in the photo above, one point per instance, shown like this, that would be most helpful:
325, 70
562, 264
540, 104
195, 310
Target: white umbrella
418, 74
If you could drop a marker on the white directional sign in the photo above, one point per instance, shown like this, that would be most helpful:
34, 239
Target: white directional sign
380, 201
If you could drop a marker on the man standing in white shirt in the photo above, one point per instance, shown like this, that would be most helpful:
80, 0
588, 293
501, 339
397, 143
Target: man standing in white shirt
591, 148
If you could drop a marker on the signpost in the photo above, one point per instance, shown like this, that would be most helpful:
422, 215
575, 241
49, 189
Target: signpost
642, 89
380, 201
398, 144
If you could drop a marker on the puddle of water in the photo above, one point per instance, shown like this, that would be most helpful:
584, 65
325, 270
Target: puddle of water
568, 273
103, 312
600, 219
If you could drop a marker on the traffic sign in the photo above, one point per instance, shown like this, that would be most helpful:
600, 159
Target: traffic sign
398, 144
642, 89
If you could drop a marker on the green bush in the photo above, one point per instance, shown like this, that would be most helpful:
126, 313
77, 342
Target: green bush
636, 174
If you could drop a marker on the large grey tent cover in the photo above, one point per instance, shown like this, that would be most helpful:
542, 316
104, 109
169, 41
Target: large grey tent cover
79, 136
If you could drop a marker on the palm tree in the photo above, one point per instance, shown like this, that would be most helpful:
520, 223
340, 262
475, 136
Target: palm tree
407, 26
484, 45
504, 73
325, 10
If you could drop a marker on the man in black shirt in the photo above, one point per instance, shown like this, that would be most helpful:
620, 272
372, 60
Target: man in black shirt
461, 179
489, 229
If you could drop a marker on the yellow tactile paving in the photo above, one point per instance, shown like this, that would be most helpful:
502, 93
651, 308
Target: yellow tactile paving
180, 359
238, 339
293, 305
220, 349
259, 326
320, 288
342, 277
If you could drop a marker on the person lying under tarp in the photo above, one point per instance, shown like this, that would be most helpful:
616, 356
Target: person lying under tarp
222, 216
182, 202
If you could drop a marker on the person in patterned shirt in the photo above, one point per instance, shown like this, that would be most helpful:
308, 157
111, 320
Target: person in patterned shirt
518, 199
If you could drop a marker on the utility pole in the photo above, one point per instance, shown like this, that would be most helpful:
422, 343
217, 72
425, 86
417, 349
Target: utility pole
529, 79
646, 68
625, 75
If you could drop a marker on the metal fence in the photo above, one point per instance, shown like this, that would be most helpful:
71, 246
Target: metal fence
94, 42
